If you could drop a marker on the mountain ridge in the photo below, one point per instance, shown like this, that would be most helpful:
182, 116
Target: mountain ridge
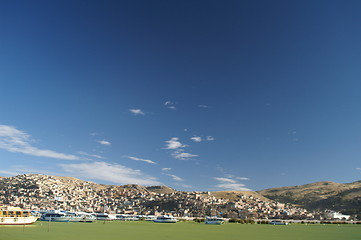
343, 197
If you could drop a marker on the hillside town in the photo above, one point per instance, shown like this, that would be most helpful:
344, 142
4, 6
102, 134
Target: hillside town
42, 192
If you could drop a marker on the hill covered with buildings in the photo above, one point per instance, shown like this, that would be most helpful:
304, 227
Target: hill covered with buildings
38, 192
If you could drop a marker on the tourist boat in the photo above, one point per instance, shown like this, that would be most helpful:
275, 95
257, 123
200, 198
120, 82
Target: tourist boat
277, 222
80, 217
87, 217
105, 217
16, 216
165, 219
214, 220
126, 217
59, 216
149, 217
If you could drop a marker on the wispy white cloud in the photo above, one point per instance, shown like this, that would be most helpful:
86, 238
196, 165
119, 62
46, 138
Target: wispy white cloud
174, 177
358, 169
242, 178
23, 169
196, 139
230, 183
183, 155
170, 105
174, 143
293, 135
227, 180
140, 159
8, 173
166, 169
14, 140
186, 186
232, 186
137, 112
114, 173
94, 134
235, 177
210, 138
203, 106
91, 155
104, 142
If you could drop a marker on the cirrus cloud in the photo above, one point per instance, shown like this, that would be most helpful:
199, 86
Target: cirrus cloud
91, 155
137, 112
196, 139
231, 184
183, 155
170, 105
104, 142
174, 143
210, 138
15, 140
174, 177
228, 180
110, 172
140, 159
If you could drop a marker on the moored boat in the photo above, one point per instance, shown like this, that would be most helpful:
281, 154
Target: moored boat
87, 217
105, 217
149, 217
65, 216
165, 219
278, 222
56, 216
214, 220
16, 216
126, 217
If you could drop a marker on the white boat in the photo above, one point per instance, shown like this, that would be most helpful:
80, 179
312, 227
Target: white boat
75, 216
16, 216
214, 220
105, 217
165, 219
126, 217
55, 216
60, 216
277, 222
87, 217
149, 217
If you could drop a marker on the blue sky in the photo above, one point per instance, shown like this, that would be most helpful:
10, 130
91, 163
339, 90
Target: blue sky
196, 95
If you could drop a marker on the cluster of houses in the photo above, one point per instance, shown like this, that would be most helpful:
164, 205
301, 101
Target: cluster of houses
40, 192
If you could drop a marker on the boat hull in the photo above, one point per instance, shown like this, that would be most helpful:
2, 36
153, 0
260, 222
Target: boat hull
215, 223
17, 220
278, 223
165, 220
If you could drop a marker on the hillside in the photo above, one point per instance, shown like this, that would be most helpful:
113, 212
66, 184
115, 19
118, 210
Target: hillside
320, 195
235, 195
37, 192
160, 189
